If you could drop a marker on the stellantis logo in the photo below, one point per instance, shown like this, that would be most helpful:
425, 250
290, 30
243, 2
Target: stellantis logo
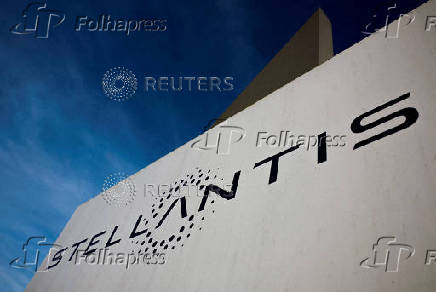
37, 20
387, 253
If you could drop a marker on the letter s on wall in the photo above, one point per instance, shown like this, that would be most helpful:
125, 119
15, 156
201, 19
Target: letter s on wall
409, 113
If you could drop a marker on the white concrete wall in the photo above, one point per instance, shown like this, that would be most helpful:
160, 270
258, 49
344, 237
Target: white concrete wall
309, 230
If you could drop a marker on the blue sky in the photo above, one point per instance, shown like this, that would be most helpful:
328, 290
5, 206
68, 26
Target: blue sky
61, 136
